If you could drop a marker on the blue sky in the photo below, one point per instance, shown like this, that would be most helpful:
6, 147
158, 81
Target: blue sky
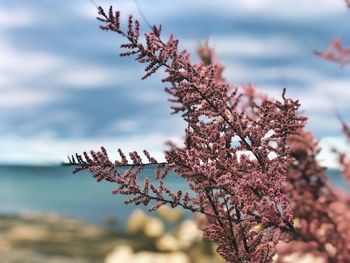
65, 89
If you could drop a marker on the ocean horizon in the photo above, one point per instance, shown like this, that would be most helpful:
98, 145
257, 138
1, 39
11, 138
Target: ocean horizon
54, 189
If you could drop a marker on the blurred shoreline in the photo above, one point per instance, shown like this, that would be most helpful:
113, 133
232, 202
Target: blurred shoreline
39, 237
52, 238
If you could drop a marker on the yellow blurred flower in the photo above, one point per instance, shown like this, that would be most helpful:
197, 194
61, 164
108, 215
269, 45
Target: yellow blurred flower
120, 254
168, 242
188, 233
153, 227
136, 221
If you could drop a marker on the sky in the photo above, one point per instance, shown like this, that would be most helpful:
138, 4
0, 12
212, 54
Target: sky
64, 89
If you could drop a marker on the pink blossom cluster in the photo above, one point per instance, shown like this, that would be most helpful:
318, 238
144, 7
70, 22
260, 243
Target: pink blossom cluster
238, 187
250, 165
321, 213
343, 158
336, 53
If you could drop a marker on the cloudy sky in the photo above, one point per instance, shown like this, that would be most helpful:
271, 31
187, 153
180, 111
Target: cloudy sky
64, 88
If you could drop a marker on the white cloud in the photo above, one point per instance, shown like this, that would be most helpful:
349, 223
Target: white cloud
125, 125
31, 68
45, 149
326, 95
83, 76
272, 9
240, 72
254, 47
25, 98
318, 93
148, 97
327, 124
326, 157
339, 87
287, 9
21, 67
15, 17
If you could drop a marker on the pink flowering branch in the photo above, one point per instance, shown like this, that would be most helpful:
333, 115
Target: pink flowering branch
347, 3
322, 213
344, 160
336, 53
320, 228
236, 155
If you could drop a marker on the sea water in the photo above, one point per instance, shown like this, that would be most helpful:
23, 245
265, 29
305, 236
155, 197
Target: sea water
55, 189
